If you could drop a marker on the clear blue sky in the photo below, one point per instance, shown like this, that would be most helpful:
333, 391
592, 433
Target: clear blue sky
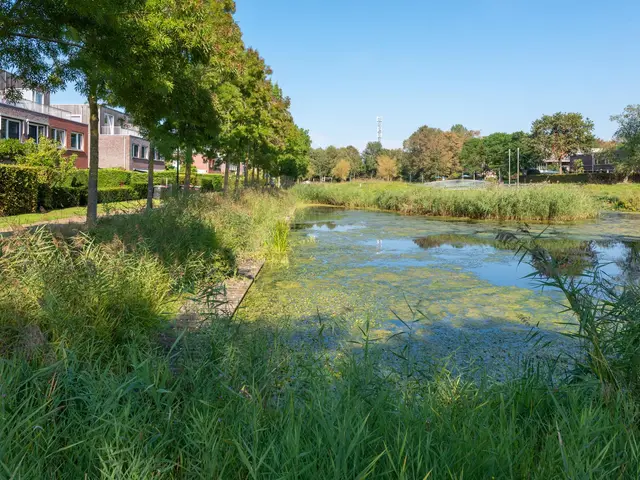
492, 65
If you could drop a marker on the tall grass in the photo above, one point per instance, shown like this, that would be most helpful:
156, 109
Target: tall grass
125, 278
250, 401
532, 203
247, 405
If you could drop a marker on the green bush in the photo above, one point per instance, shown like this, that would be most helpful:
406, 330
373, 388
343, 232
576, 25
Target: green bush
606, 178
18, 189
140, 189
211, 182
116, 194
56, 197
107, 178
11, 149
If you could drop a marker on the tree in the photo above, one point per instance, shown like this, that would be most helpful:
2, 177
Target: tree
341, 170
432, 152
387, 167
628, 134
464, 132
473, 157
294, 162
320, 162
352, 155
369, 156
53, 42
560, 135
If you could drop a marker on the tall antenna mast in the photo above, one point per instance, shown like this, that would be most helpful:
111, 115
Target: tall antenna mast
379, 120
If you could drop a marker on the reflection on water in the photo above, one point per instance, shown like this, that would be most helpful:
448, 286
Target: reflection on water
466, 295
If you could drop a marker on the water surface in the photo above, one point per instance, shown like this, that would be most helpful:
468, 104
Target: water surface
435, 289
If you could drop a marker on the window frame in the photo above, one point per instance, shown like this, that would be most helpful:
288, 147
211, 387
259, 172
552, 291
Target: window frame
62, 143
40, 132
143, 152
135, 150
4, 126
79, 136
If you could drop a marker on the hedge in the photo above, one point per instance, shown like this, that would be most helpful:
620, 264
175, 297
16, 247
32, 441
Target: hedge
18, 189
211, 182
580, 178
54, 198
119, 194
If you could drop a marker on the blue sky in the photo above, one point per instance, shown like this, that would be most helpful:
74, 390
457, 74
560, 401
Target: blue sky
492, 65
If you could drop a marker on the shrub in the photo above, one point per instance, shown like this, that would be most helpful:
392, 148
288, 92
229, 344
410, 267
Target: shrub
18, 189
11, 149
56, 165
116, 194
211, 182
107, 178
57, 197
140, 189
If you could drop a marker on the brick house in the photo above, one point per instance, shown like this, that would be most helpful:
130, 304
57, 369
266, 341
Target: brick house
33, 117
121, 144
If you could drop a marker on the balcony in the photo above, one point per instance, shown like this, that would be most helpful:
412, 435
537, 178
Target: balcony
116, 130
40, 108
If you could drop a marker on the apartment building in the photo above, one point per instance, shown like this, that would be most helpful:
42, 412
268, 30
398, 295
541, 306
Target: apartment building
121, 144
28, 114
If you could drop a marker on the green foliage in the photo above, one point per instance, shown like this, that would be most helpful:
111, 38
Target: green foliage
492, 153
59, 197
562, 134
56, 165
11, 149
80, 293
578, 166
18, 189
628, 133
432, 153
540, 203
120, 194
369, 156
211, 182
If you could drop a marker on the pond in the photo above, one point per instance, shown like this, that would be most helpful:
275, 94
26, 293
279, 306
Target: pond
439, 291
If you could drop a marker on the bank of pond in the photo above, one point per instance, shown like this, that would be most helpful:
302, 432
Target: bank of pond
372, 345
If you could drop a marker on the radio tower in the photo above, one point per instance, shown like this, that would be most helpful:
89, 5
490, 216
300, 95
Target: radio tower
379, 120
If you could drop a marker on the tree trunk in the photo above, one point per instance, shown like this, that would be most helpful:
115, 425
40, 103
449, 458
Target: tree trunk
177, 173
150, 167
188, 161
237, 185
92, 196
225, 187
246, 174
253, 174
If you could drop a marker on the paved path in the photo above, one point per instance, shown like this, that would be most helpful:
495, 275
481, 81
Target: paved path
79, 220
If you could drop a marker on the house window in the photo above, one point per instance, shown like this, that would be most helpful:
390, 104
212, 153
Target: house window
143, 152
35, 132
38, 97
59, 136
76, 141
135, 150
10, 128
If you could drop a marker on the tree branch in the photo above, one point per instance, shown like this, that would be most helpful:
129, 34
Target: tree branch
42, 39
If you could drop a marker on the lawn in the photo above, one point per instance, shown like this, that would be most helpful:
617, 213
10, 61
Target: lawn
103, 209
